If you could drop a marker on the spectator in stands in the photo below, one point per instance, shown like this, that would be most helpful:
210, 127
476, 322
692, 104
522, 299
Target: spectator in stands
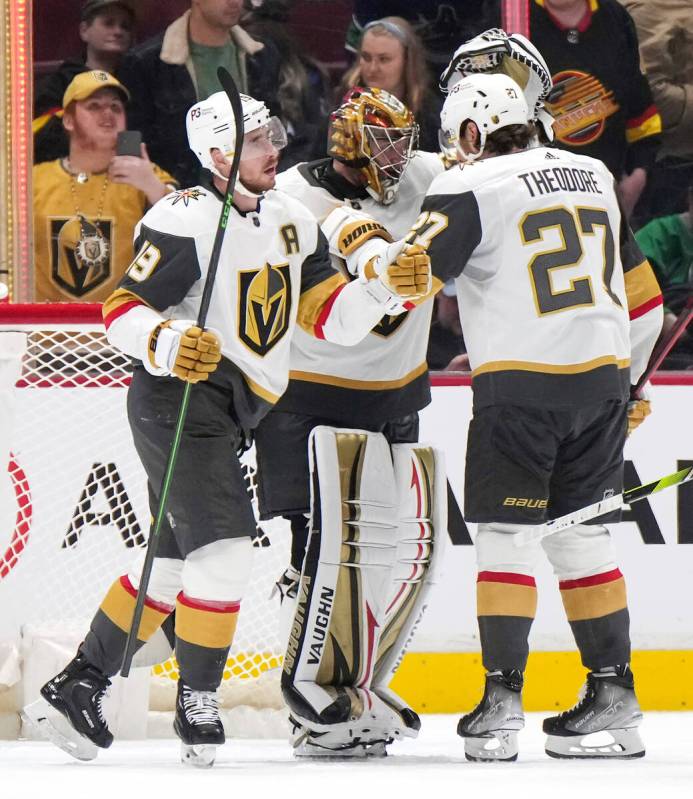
666, 50
303, 93
390, 57
172, 71
86, 205
106, 30
441, 27
601, 100
667, 243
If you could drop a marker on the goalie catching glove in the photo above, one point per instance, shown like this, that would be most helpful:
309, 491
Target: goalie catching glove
180, 348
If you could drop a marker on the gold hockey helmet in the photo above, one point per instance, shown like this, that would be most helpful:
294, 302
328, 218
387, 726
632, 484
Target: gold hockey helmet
374, 132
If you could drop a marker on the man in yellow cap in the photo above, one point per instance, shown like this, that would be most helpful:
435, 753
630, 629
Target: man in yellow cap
86, 205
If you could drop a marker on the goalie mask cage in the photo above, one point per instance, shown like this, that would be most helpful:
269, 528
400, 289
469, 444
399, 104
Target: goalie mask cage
73, 502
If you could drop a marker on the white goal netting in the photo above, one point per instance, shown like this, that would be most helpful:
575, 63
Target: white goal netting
73, 508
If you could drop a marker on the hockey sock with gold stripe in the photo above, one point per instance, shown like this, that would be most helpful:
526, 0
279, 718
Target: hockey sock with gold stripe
204, 633
506, 606
105, 642
597, 610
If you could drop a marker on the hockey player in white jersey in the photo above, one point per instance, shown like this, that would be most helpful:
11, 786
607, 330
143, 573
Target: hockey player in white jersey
379, 385
274, 275
560, 312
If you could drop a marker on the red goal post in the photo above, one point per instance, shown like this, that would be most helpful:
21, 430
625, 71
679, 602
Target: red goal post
73, 498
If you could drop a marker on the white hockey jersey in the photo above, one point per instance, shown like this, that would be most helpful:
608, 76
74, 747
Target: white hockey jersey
547, 275
274, 274
385, 375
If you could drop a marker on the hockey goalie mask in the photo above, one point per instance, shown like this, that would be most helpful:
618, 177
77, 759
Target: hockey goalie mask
210, 125
492, 102
495, 51
374, 132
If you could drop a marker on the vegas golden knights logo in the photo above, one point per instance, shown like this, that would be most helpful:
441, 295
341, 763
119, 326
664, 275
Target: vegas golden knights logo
265, 306
80, 254
388, 324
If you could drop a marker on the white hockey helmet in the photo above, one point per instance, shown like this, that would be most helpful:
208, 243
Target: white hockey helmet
495, 51
490, 101
210, 125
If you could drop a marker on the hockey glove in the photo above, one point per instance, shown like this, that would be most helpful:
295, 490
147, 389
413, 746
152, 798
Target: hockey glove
638, 410
184, 350
407, 276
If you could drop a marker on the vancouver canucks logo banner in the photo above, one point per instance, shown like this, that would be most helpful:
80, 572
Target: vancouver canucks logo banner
265, 306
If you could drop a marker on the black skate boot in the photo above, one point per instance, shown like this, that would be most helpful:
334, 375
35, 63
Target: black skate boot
490, 730
69, 713
198, 726
604, 721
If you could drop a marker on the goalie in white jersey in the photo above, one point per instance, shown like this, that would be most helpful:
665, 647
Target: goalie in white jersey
382, 382
274, 274
560, 312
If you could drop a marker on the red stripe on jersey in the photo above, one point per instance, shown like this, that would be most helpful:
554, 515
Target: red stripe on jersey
160, 607
636, 122
506, 577
595, 579
326, 308
209, 605
119, 311
641, 310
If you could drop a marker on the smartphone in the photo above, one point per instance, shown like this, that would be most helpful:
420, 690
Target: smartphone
129, 143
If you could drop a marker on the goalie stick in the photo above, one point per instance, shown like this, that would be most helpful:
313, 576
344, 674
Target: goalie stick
229, 87
606, 505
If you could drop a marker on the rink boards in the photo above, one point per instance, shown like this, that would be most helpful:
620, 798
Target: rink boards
442, 672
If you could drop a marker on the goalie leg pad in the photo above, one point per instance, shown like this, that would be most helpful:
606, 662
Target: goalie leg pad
372, 542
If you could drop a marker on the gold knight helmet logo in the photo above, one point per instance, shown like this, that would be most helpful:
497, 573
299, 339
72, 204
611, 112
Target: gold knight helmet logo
265, 306
81, 258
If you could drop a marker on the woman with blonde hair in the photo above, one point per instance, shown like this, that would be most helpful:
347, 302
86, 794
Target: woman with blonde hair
391, 57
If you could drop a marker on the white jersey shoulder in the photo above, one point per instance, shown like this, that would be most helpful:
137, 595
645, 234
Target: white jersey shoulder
187, 212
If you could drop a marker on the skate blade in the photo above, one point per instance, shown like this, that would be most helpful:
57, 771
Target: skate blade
52, 726
307, 750
199, 755
615, 744
500, 746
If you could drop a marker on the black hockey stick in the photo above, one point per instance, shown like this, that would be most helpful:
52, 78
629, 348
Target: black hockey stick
232, 93
606, 505
661, 351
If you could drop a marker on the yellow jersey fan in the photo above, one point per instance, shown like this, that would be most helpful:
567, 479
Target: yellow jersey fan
374, 132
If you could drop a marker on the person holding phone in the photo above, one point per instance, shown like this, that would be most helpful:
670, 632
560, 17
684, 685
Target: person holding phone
86, 205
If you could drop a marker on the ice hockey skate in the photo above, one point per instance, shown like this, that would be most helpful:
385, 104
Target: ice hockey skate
334, 744
603, 723
69, 713
198, 725
490, 730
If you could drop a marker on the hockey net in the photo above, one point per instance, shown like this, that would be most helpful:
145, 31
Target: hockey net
74, 508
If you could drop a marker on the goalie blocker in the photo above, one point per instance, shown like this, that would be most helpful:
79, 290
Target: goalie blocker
377, 531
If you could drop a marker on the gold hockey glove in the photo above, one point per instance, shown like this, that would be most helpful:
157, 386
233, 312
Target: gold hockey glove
182, 349
638, 410
408, 275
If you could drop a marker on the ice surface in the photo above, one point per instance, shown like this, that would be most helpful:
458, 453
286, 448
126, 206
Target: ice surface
432, 767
